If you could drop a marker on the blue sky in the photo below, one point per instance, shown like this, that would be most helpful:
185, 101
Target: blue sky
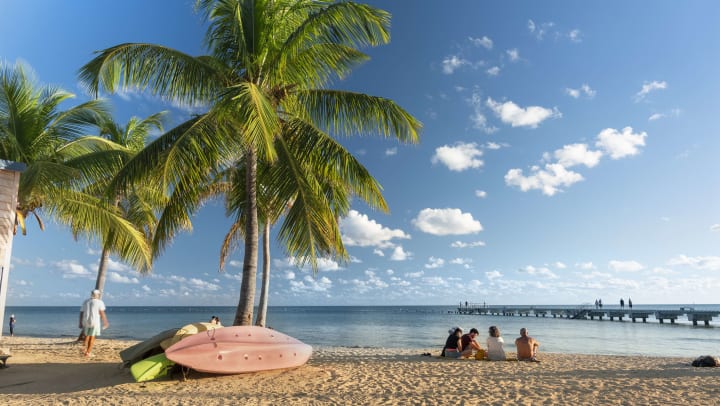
569, 153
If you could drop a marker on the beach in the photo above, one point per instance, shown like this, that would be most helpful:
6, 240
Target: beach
52, 371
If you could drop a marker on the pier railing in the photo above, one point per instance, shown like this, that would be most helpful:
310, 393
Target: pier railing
585, 312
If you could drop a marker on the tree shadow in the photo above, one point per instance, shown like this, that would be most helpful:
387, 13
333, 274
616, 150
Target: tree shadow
51, 378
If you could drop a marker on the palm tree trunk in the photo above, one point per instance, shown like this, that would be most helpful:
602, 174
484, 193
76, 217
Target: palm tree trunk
244, 313
102, 269
262, 307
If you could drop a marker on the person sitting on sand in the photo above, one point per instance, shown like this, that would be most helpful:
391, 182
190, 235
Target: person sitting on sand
453, 344
526, 347
495, 345
469, 344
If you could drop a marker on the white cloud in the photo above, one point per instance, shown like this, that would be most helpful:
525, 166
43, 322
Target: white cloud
577, 154
531, 270
574, 93
620, 144
399, 254
434, 263
309, 284
483, 42
649, 87
117, 278
113, 265
494, 145
548, 180
358, 230
478, 118
71, 269
235, 263
289, 275
658, 116
493, 275
708, 263
481, 194
625, 266
460, 244
446, 222
539, 30
560, 265
391, 151
494, 71
461, 261
516, 116
459, 157
585, 265
378, 252
584, 89
575, 35
417, 274
715, 227
451, 63
513, 54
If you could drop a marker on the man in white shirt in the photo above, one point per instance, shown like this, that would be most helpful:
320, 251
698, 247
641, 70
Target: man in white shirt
92, 313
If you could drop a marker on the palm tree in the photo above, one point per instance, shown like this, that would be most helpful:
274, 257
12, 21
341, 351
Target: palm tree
264, 83
143, 200
33, 130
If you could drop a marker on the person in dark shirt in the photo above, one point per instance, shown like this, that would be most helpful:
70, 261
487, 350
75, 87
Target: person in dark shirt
469, 345
453, 345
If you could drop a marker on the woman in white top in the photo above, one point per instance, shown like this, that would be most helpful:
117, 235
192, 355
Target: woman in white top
495, 345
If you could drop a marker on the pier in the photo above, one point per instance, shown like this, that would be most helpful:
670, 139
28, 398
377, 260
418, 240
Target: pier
590, 312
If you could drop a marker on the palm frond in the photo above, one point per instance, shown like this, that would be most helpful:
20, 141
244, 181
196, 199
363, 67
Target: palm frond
349, 113
163, 71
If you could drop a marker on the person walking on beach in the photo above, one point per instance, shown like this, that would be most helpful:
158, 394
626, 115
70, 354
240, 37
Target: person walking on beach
622, 303
495, 345
91, 314
12, 325
526, 347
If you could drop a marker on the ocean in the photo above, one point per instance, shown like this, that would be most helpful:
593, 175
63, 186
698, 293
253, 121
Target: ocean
421, 327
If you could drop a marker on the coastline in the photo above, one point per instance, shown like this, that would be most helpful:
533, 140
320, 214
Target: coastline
51, 371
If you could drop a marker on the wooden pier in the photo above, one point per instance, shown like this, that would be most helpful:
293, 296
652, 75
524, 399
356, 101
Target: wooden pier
589, 312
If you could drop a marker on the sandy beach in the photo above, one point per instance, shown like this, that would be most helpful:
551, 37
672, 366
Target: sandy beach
52, 371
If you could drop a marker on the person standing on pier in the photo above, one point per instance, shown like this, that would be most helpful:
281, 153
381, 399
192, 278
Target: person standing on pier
596, 303
600, 303
622, 303
630, 303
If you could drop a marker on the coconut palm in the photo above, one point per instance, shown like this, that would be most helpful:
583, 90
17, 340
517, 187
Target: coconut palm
34, 130
265, 86
143, 200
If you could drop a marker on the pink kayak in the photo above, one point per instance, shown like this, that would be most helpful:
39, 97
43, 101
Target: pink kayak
238, 349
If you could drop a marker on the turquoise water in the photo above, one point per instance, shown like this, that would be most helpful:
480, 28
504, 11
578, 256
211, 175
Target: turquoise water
421, 327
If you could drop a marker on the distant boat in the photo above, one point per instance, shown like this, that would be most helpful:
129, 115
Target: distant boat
239, 349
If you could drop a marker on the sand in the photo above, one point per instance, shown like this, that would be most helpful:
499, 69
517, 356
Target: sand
52, 371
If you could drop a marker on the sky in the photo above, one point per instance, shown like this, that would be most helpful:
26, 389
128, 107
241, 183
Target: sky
569, 152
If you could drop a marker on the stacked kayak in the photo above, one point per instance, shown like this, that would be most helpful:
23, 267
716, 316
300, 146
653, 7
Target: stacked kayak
210, 348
